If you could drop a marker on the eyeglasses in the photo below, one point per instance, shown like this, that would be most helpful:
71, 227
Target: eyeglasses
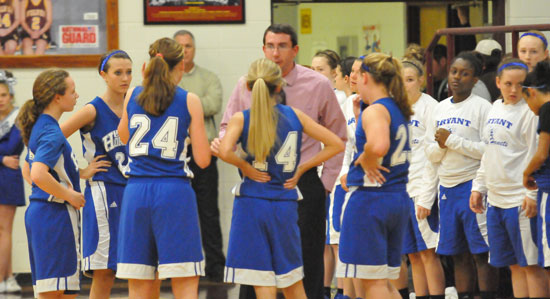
280, 47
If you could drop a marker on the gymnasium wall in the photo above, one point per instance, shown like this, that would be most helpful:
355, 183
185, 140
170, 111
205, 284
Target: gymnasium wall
227, 50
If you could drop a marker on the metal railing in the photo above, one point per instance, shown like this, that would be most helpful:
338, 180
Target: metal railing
450, 33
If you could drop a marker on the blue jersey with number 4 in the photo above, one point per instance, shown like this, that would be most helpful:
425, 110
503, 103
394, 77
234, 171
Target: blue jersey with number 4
103, 139
281, 163
396, 159
158, 144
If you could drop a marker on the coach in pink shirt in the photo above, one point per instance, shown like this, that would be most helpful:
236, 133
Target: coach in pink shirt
312, 93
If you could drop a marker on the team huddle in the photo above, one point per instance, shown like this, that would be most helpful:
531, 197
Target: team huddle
404, 174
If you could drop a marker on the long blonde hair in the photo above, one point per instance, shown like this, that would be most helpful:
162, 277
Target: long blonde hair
264, 76
387, 71
158, 86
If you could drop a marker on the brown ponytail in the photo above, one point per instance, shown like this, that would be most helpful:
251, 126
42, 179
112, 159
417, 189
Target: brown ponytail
158, 86
46, 86
387, 70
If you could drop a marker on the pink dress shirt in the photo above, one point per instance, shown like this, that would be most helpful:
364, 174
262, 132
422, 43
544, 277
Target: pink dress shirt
311, 93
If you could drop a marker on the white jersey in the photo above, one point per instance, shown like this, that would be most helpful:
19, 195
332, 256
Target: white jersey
341, 97
511, 136
460, 161
422, 110
347, 109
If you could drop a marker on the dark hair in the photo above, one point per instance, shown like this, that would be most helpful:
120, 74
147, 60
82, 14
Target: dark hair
158, 86
539, 77
491, 62
471, 57
104, 60
415, 52
387, 71
346, 64
285, 29
332, 57
47, 85
511, 64
440, 51
184, 32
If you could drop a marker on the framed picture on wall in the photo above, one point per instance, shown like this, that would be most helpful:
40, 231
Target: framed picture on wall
159, 12
60, 33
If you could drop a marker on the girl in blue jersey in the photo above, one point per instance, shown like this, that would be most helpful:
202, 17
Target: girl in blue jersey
376, 208
264, 241
52, 219
159, 227
511, 223
536, 92
11, 181
98, 122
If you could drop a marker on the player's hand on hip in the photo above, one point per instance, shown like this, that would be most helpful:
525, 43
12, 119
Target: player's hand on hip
343, 181
530, 207
255, 175
372, 169
293, 181
215, 147
95, 166
476, 202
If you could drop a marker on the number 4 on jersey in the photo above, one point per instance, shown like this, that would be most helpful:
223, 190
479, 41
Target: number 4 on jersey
286, 155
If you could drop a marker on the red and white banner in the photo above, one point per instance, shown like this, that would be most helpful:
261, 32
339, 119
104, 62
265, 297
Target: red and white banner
84, 36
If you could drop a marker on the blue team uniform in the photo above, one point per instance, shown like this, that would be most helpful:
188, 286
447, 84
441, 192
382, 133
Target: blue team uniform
159, 222
53, 225
11, 180
264, 242
375, 216
104, 190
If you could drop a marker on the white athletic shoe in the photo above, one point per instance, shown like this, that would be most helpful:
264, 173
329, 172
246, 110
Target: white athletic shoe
451, 293
3, 287
412, 295
11, 285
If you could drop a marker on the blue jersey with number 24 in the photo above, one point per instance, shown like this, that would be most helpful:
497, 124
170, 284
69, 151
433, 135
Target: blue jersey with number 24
158, 144
396, 159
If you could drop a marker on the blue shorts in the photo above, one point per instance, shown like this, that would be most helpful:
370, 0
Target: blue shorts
512, 237
159, 226
460, 229
371, 239
334, 214
421, 234
12, 192
53, 233
543, 228
264, 243
100, 219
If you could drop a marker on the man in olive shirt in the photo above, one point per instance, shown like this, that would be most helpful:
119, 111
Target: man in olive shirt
207, 86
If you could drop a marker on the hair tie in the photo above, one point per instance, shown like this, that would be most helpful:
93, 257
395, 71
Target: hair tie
519, 64
542, 38
363, 65
159, 55
102, 68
